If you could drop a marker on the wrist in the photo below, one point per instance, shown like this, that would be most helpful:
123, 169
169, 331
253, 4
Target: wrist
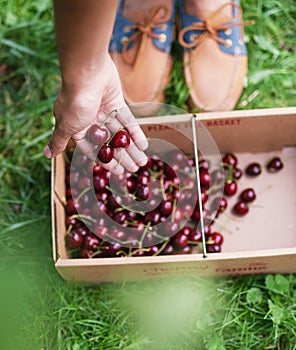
77, 76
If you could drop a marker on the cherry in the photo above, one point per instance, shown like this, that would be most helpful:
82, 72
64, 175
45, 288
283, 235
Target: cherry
237, 173
274, 165
205, 178
248, 195
72, 206
86, 253
143, 179
105, 154
97, 135
253, 169
217, 238
195, 236
169, 249
230, 159
97, 169
166, 208
91, 241
219, 204
143, 192
152, 217
241, 208
230, 188
204, 165
186, 230
120, 139
74, 239
213, 248
180, 240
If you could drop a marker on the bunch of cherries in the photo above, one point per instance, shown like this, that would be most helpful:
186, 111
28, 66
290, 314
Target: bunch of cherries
104, 212
233, 174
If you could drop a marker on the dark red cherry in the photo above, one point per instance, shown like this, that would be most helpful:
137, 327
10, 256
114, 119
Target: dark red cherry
230, 188
97, 135
213, 248
248, 195
229, 159
219, 204
105, 154
253, 169
143, 192
120, 139
180, 240
237, 173
217, 238
169, 249
195, 236
204, 165
166, 207
74, 239
274, 165
241, 208
91, 241
205, 178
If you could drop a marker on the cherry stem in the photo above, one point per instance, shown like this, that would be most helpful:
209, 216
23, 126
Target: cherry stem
113, 135
84, 217
83, 192
161, 248
174, 209
162, 189
107, 117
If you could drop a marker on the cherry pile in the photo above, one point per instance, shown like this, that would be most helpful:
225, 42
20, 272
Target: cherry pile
105, 216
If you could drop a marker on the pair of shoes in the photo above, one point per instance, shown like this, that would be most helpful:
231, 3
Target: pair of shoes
215, 56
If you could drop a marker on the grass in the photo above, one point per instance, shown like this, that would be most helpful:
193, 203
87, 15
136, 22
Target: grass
38, 309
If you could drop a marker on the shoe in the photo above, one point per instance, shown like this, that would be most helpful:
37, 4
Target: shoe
140, 48
215, 56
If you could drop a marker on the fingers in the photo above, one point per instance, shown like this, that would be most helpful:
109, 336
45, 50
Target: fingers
56, 144
132, 151
127, 119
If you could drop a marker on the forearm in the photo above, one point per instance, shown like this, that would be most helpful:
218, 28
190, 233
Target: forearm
83, 31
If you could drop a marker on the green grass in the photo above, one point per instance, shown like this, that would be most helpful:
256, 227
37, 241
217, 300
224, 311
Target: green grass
38, 310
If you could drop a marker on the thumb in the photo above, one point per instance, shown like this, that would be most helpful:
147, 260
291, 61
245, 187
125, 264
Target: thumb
56, 144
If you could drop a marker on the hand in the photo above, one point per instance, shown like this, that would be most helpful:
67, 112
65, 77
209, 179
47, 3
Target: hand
90, 99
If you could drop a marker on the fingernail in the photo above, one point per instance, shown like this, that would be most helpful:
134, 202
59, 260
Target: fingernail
143, 144
47, 152
142, 162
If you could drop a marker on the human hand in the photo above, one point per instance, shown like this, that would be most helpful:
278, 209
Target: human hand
96, 97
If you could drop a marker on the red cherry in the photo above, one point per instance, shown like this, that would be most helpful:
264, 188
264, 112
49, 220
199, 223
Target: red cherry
169, 249
237, 173
274, 165
230, 159
143, 192
219, 204
205, 178
248, 195
180, 240
241, 208
217, 238
97, 169
105, 154
120, 139
230, 188
213, 248
166, 208
253, 169
204, 165
97, 135
74, 239
195, 236
91, 241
